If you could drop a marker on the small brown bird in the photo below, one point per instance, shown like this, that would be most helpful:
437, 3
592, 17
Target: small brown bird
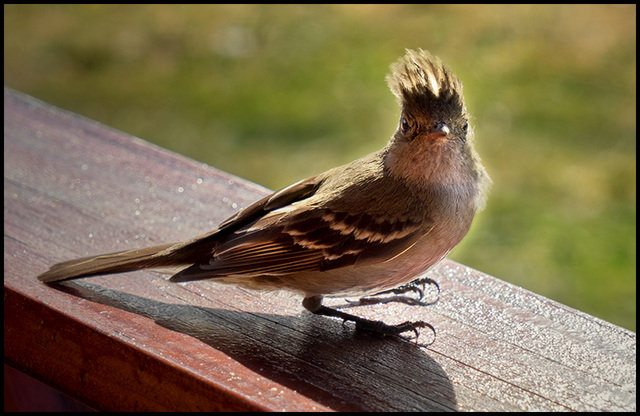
359, 229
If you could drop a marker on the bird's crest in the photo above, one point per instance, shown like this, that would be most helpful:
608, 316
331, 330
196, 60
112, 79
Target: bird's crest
422, 81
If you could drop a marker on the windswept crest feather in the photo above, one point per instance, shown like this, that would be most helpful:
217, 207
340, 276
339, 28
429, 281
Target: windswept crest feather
420, 80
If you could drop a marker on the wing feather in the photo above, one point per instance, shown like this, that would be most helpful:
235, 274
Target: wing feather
311, 240
302, 229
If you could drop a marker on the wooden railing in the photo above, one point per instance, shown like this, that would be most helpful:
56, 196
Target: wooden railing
74, 187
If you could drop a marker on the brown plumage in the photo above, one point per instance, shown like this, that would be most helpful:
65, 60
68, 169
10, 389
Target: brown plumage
361, 228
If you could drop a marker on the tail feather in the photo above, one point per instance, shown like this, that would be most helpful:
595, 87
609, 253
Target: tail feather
123, 261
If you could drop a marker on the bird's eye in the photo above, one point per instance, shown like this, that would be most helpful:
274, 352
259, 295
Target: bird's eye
466, 126
404, 125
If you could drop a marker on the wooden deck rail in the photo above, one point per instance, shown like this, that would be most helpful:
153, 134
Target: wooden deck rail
74, 187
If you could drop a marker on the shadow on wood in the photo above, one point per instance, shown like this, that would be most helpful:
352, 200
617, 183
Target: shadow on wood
312, 355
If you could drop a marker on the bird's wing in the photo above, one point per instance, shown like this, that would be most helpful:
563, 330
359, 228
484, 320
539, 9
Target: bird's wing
283, 234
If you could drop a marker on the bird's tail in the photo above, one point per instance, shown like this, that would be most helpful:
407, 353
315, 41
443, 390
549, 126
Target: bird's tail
124, 261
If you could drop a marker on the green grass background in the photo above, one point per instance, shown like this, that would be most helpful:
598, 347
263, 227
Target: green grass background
278, 93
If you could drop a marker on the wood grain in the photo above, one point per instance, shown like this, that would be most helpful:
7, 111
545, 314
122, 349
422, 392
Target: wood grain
74, 187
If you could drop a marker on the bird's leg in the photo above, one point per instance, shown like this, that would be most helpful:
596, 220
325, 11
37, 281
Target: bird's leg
416, 286
314, 304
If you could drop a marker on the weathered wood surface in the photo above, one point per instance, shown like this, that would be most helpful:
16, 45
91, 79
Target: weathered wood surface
74, 187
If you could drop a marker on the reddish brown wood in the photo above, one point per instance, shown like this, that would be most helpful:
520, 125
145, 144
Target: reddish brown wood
73, 187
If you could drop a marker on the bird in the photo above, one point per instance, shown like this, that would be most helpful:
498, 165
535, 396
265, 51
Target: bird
366, 227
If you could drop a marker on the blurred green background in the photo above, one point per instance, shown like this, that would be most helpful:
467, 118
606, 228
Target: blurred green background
278, 93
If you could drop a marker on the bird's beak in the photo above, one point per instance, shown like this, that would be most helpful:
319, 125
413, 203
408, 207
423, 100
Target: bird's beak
440, 131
